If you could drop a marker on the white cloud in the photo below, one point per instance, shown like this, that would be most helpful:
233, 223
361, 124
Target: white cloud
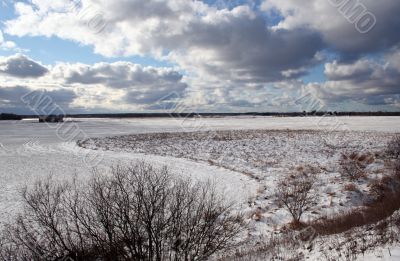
228, 43
108, 86
366, 81
6, 45
21, 66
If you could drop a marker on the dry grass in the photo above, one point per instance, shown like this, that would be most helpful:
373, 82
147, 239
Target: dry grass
393, 148
257, 216
350, 187
350, 166
386, 193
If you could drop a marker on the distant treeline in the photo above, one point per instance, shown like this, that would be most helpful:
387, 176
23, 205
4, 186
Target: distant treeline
193, 115
9, 116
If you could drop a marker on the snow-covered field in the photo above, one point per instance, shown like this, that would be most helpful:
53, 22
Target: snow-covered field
266, 156
245, 165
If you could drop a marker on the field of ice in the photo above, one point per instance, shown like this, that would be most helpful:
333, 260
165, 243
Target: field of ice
245, 166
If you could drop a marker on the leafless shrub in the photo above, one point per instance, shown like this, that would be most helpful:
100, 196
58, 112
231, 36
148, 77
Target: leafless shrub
294, 193
393, 148
136, 213
350, 166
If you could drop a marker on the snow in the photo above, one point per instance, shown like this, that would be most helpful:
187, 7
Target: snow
267, 156
388, 254
251, 165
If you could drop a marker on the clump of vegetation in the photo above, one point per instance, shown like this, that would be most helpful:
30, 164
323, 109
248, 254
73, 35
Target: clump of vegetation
396, 169
384, 187
293, 192
384, 193
136, 213
352, 165
393, 148
350, 187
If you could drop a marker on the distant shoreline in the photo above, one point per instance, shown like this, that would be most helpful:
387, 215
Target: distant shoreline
194, 114
206, 115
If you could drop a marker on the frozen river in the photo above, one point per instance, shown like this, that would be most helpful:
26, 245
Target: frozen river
29, 150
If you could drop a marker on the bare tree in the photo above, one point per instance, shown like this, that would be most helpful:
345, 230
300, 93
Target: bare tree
136, 213
294, 193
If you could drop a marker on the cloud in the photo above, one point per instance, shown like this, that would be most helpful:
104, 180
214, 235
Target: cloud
239, 47
117, 75
231, 44
6, 45
21, 66
338, 32
141, 85
229, 55
115, 86
11, 99
366, 81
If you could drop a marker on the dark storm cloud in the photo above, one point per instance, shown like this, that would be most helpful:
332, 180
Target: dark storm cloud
21, 66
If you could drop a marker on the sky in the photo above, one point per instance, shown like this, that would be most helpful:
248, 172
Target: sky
101, 56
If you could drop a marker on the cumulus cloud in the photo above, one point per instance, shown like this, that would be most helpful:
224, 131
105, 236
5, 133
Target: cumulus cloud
338, 32
11, 99
21, 66
141, 85
241, 48
231, 44
366, 81
117, 75
106, 86
228, 54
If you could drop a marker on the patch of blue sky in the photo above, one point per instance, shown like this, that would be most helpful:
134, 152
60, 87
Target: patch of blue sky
316, 74
272, 18
50, 50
